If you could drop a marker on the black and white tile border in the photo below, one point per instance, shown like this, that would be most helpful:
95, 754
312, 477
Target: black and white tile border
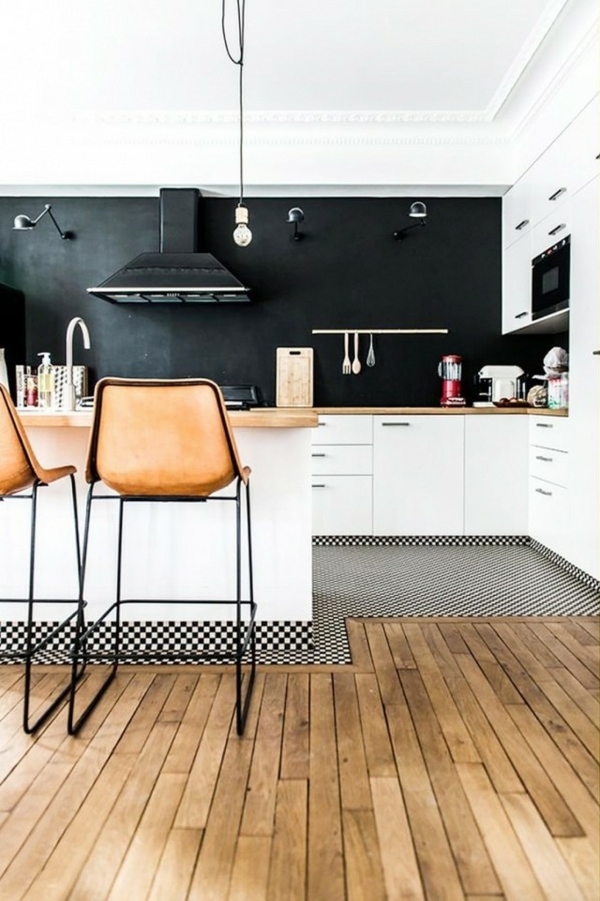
277, 641
559, 561
419, 540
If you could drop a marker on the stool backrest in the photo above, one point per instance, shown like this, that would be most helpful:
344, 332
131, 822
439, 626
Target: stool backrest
162, 437
19, 468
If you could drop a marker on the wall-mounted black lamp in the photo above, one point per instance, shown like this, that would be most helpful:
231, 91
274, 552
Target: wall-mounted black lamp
418, 210
24, 223
296, 215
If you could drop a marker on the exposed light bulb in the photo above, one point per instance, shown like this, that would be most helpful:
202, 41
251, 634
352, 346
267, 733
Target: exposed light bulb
242, 234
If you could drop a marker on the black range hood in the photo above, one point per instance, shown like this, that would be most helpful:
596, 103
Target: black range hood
178, 273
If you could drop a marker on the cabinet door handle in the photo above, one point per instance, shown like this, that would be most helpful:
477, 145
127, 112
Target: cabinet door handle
596, 353
557, 194
545, 493
395, 423
318, 455
520, 315
521, 224
321, 424
557, 228
544, 425
545, 459
319, 486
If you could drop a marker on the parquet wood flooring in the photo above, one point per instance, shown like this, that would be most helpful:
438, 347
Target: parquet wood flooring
454, 760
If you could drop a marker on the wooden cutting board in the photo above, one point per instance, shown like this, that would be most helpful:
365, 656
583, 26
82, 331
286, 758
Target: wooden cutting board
294, 377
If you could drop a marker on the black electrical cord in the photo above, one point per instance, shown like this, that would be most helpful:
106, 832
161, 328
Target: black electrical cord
238, 61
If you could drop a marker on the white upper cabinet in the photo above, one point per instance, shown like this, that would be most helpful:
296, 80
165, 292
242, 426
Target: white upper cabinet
536, 213
516, 212
516, 285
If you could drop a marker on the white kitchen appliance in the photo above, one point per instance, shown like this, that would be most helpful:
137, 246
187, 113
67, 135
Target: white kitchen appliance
502, 381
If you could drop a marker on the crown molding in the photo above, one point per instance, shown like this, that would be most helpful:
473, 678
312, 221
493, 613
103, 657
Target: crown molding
169, 118
589, 43
524, 57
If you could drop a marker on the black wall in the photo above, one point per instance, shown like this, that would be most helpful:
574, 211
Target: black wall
347, 272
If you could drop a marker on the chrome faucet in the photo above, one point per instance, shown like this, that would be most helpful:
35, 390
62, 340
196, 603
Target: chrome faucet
69, 401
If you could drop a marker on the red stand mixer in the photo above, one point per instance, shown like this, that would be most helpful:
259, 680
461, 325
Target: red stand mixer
450, 371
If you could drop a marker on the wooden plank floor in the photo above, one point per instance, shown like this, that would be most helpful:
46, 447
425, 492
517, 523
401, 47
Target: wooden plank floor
455, 760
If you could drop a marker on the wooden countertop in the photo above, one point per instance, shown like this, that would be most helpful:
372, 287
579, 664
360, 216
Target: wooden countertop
262, 418
441, 411
294, 417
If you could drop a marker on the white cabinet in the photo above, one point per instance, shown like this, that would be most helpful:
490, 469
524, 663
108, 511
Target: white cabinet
496, 475
550, 520
537, 212
516, 212
516, 285
342, 481
418, 475
584, 379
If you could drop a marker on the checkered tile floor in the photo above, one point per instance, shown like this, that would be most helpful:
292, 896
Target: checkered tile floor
435, 581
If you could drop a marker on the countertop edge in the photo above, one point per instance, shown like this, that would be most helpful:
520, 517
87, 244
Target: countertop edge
263, 418
441, 411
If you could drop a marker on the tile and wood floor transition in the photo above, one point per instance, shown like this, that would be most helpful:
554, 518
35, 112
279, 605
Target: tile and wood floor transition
454, 759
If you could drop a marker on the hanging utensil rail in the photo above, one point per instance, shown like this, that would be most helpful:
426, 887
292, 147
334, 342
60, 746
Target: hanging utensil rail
380, 331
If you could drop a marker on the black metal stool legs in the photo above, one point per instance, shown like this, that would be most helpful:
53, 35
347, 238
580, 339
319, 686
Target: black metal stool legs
32, 648
80, 653
249, 639
245, 637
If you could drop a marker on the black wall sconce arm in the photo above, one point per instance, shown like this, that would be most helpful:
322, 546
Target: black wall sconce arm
418, 210
401, 233
24, 223
296, 215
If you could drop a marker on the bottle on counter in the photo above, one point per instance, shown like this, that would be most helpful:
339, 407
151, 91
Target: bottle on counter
45, 383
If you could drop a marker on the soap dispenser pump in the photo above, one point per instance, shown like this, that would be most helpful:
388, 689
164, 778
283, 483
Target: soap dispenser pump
45, 382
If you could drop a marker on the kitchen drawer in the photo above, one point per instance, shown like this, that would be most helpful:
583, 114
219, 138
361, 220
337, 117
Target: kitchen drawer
342, 459
550, 465
342, 429
342, 505
548, 431
549, 515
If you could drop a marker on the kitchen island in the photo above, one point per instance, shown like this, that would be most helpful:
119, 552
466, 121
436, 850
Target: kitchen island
175, 550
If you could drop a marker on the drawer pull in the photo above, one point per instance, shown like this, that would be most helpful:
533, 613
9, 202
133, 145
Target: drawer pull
557, 228
520, 315
321, 424
319, 486
318, 455
557, 194
545, 493
545, 459
544, 425
521, 224
596, 353
395, 423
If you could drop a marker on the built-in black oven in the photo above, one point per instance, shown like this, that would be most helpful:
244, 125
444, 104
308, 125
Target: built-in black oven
550, 279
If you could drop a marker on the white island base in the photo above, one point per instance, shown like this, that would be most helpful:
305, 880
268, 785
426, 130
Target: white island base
173, 551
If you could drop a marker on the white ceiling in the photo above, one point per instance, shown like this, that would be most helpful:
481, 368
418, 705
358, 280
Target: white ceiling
343, 96
442, 56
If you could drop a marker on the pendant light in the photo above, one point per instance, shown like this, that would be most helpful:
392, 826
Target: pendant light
242, 234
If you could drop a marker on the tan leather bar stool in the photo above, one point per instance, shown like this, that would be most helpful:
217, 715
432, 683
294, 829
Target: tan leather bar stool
20, 477
155, 441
